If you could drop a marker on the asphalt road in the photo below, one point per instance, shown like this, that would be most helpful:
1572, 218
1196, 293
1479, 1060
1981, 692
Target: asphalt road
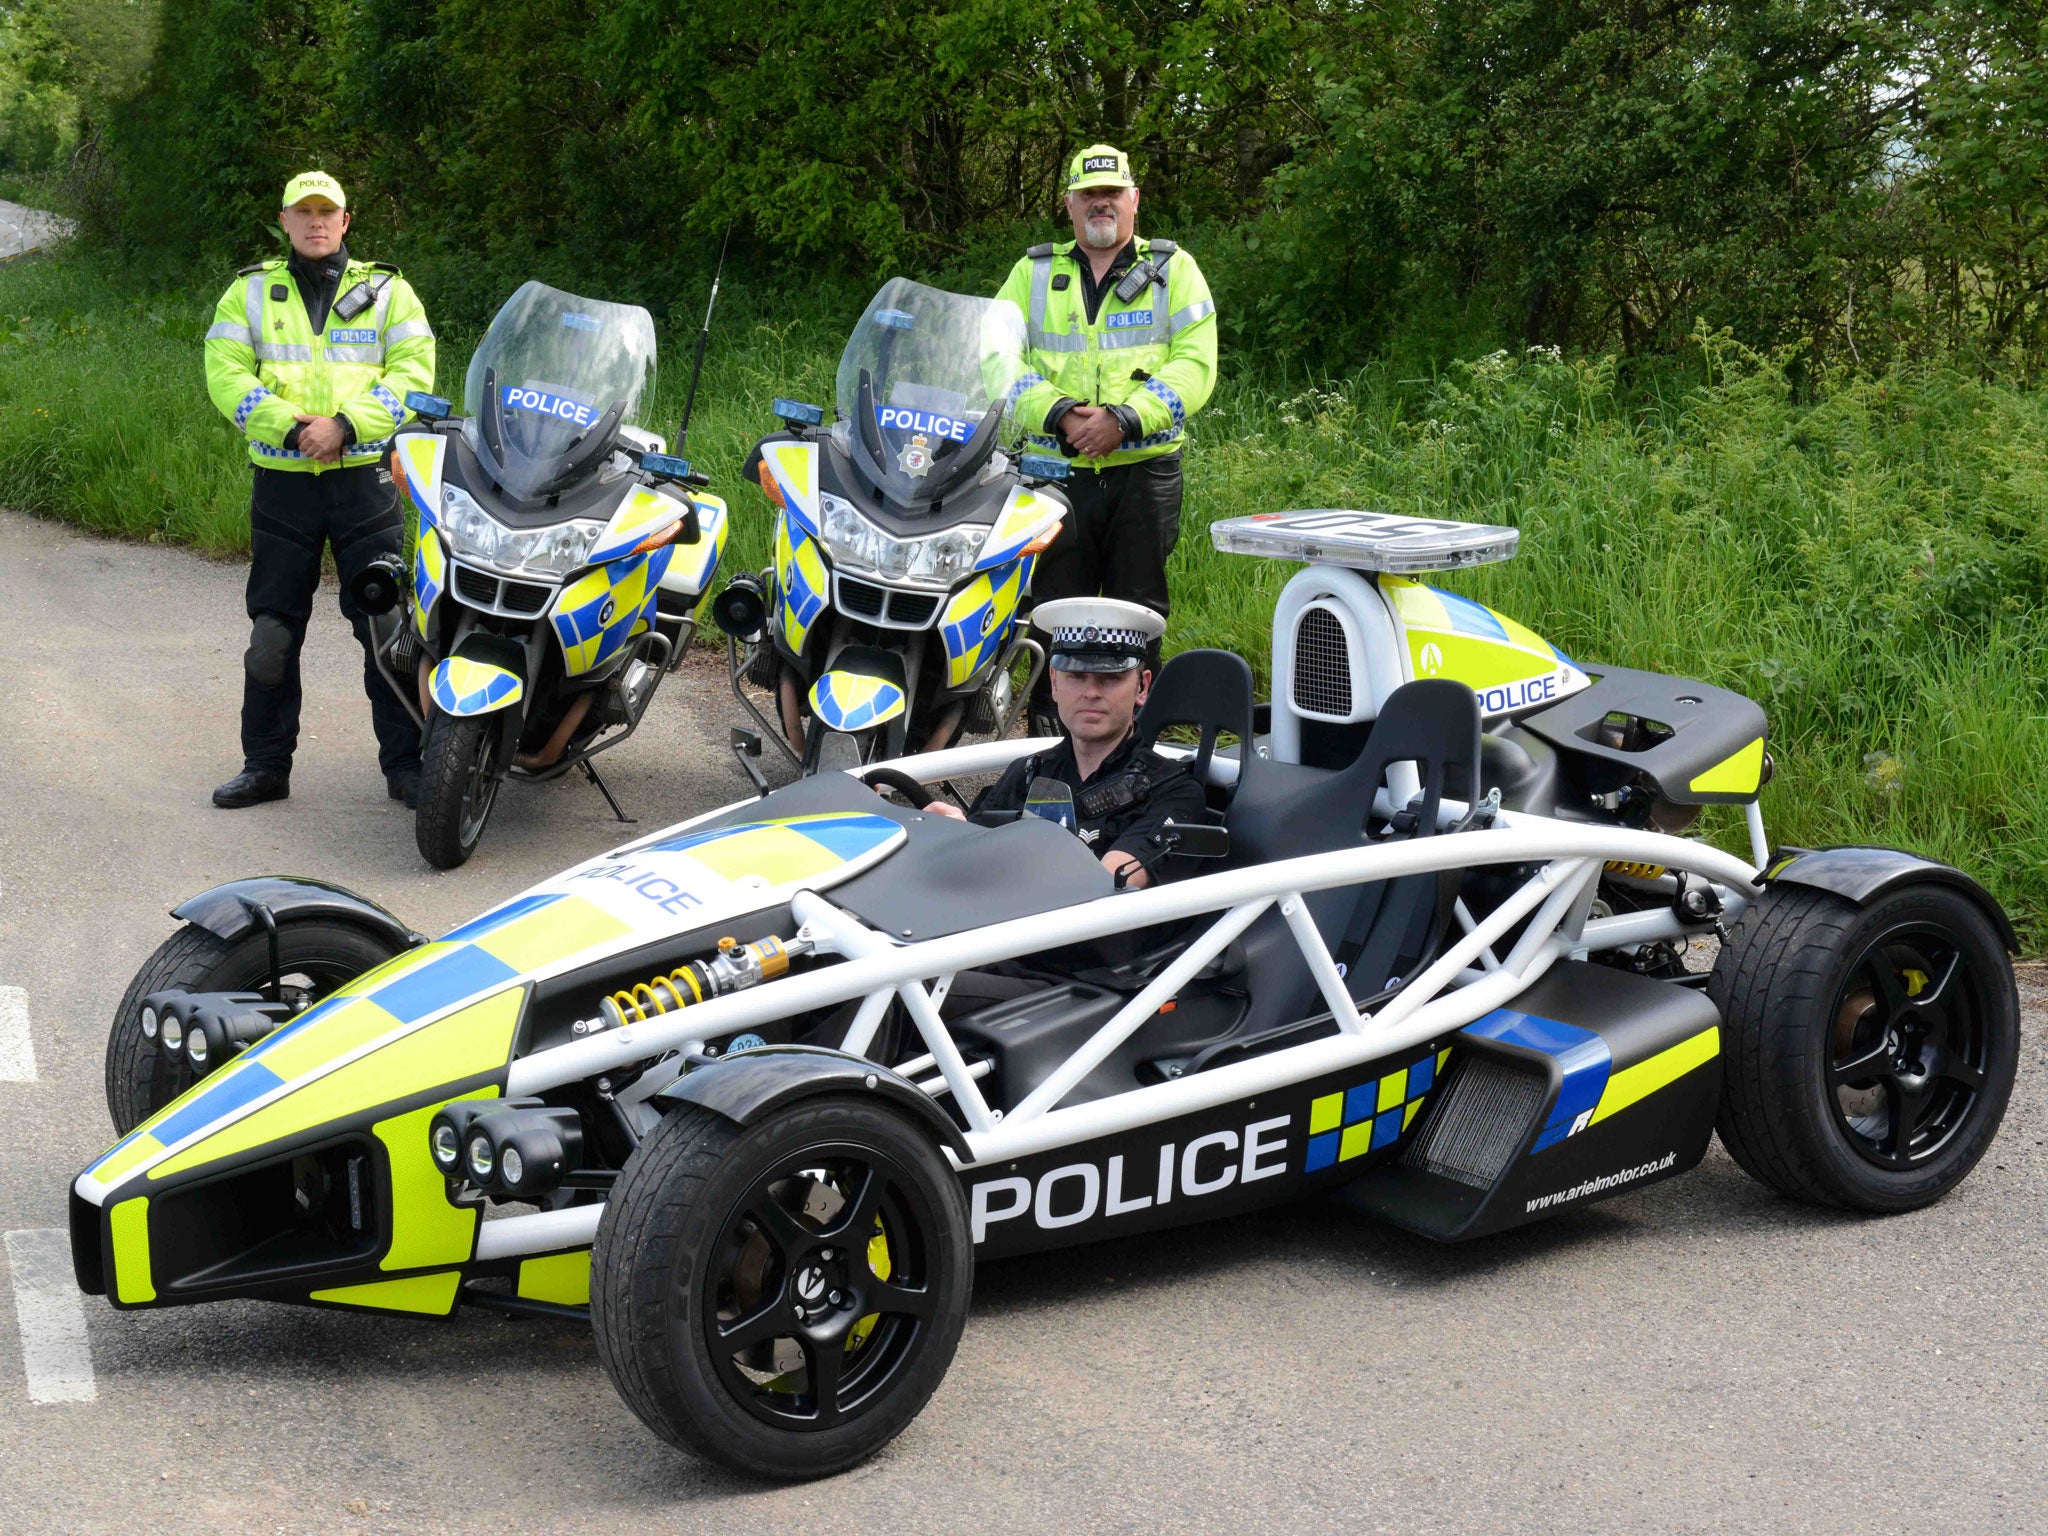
1696, 1356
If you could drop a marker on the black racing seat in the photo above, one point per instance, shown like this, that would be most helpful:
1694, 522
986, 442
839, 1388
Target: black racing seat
1212, 692
1378, 931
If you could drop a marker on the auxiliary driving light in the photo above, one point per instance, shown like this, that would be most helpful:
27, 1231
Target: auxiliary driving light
483, 1160
447, 1146
148, 1022
514, 1149
196, 1050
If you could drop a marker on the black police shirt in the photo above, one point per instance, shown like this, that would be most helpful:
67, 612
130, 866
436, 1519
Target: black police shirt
1142, 790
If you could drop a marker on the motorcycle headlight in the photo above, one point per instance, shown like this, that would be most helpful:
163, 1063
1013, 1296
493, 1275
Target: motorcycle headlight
478, 537
938, 560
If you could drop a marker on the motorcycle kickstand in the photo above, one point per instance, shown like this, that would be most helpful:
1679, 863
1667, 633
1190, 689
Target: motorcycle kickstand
590, 773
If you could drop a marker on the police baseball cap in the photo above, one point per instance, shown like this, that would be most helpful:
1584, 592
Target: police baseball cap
1099, 165
313, 184
1098, 634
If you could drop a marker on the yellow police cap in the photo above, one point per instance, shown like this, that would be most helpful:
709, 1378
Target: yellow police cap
1099, 165
313, 184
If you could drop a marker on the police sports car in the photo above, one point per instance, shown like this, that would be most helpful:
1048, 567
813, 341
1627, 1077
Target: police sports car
758, 1091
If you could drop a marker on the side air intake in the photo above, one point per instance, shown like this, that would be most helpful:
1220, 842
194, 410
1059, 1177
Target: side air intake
1480, 1119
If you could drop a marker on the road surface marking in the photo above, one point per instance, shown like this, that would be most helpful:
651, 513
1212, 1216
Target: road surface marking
17, 1055
54, 1350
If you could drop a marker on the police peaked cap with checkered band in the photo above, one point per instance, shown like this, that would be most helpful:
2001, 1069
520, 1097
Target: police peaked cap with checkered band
1098, 634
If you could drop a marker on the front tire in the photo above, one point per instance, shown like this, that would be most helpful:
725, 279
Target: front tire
782, 1298
458, 787
1869, 1052
315, 956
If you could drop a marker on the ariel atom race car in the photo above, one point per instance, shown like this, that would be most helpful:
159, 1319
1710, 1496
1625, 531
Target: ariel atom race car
758, 1091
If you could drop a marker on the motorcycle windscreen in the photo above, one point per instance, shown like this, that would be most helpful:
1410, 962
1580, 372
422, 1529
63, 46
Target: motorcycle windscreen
556, 376
925, 387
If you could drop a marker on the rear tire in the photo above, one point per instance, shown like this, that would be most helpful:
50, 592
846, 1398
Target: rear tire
830, 1241
1869, 1052
322, 953
457, 787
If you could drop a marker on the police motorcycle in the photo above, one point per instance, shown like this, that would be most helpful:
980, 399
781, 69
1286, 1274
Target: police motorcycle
561, 555
905, 537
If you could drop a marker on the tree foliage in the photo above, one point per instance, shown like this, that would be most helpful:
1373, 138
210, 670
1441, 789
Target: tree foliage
1854, 180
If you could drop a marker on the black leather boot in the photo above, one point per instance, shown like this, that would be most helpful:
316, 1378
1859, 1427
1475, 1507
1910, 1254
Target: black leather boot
405, 785
252, 786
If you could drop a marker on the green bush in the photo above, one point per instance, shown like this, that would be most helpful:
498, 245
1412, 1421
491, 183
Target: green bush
1870, 565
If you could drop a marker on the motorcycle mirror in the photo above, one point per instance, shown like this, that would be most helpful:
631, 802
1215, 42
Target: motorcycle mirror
1042, 466
797, 414
741, 609
378, 586
428, 407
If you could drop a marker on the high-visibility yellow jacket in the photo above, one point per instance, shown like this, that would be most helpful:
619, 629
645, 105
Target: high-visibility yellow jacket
264, 364
1155, 353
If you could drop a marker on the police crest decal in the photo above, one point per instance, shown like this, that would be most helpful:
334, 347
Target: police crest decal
916, 458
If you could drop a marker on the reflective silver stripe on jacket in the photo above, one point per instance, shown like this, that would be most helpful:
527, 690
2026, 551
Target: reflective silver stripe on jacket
252, 302
282, 352
372, 354
405, 330
227, 330
1181, 319
1153, 335
1041, 336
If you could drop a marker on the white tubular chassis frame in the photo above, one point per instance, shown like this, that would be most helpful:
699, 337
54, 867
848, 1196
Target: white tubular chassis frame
1467, 980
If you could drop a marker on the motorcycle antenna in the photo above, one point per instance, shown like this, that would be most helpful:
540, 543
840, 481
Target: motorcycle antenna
703, 337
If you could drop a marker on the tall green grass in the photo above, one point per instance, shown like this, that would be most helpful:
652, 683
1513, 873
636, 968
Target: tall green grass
1872, 565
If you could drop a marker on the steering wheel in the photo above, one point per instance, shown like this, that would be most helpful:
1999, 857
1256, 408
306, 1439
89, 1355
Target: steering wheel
904, 785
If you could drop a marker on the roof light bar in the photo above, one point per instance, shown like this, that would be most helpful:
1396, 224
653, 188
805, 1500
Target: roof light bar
1366, 541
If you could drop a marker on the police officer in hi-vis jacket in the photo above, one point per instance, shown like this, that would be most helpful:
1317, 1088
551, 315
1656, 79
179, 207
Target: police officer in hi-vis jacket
1121, 351
311, 358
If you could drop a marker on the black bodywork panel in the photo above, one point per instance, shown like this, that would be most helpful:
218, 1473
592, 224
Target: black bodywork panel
747, 1086
950, 876
1516, 1131
1707, 726
226, 910
1864, 875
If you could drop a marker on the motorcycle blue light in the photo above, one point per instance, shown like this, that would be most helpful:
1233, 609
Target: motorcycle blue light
1043, 466
428, 407
666, 464
796, 413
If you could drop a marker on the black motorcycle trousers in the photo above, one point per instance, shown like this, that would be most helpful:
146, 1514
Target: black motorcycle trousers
1124, 525
293, 516
1115, 543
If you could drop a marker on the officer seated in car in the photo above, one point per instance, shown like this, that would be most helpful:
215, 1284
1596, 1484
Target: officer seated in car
1123, 796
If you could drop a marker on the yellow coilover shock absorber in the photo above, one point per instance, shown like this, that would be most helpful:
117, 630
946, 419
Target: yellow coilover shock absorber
734, 968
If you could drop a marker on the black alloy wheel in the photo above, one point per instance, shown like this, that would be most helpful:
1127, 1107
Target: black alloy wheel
1868, 1052
783, 1298
315, 957
1909, 1048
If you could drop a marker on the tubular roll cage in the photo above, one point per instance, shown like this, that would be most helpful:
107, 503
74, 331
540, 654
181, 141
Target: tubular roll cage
1464, 983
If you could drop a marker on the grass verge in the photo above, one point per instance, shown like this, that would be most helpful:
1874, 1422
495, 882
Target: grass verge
1872, 566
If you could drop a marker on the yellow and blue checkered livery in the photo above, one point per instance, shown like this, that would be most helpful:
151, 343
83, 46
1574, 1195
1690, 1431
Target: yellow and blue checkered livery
598, 612
1373, 1115
460, 686
854, 701
799, 581
977, 619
